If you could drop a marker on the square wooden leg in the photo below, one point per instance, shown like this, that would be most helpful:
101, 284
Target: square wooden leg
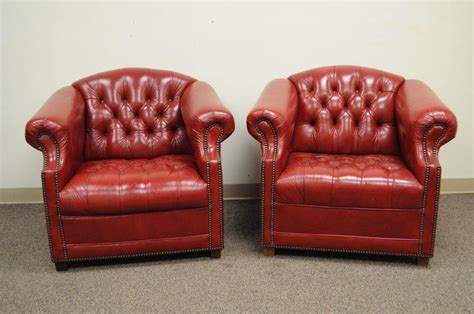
269, 251
61, 266
216, 254
422, 261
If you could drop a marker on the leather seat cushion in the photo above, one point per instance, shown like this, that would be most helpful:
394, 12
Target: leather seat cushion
120, 186
356, 181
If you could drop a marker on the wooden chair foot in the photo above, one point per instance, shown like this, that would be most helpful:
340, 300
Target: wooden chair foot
61, 266
422, 261
216, 254
269, 251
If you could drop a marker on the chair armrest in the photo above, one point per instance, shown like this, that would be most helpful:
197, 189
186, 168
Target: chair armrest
57, 129
424, 125
272, 121
208, 122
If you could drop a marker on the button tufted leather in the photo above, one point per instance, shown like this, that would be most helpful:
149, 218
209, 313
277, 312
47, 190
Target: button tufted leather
364, 181
119, 186
354, 108
121, 108
352, 164
132, 165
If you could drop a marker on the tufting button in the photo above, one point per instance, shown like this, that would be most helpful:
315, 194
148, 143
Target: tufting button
127, 132
312, 122
101, 100
115, 115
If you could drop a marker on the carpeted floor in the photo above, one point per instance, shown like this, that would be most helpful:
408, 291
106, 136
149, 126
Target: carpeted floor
243, 279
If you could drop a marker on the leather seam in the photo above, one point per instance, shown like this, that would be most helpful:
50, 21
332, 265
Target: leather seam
350, 208
56, 185
75, 216
342, 235
134, 241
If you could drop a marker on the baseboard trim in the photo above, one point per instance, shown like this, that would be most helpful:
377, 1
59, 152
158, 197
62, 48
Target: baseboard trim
231, 191
457, 186
241, 191
21, 195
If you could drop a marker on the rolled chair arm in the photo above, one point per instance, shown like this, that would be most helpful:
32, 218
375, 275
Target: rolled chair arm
272, 121
57, 129
424, 125
208, 122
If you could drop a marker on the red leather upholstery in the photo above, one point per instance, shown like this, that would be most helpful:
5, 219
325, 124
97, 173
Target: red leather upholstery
134, 115
346, 110
59, 124
124, 173
361, 181
120, 186
423, 122
352, 164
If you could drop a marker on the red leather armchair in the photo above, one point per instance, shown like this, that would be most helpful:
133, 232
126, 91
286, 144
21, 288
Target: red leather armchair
350, 162
132, 165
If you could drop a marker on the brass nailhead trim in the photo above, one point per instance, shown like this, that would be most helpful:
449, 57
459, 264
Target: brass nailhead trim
345, 251
272, 195
208, 175
262, 179
56, 186
221, 192
45, 201
98, 258
425, 187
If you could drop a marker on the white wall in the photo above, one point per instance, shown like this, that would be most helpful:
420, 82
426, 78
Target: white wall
237, 48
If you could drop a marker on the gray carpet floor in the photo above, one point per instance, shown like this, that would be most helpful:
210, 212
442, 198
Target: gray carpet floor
243, 279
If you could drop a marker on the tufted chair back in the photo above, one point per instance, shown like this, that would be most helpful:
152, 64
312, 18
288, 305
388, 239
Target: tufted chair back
134, 113
346, 109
